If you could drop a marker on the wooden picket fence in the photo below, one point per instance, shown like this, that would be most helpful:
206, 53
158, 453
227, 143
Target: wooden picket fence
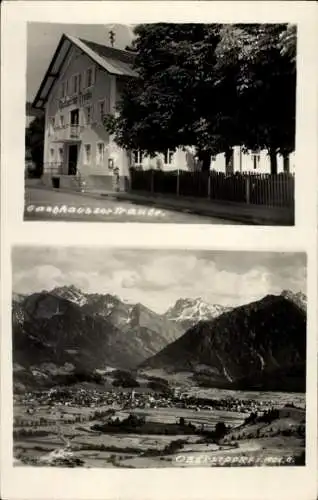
251, 188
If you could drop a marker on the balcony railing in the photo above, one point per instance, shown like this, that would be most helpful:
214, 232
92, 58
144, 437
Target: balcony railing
69, 132
74, 131
53, 168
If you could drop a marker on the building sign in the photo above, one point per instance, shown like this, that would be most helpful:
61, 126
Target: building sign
80, 100
67, 101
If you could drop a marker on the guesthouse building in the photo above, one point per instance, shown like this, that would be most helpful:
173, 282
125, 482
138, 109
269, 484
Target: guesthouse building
83, 84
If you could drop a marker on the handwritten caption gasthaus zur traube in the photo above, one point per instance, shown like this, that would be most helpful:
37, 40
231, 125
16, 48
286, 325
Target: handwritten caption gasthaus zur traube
70, 210
220, 461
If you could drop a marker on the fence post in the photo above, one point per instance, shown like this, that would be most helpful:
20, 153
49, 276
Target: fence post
209, 185
248, 189
178, 182
152, 182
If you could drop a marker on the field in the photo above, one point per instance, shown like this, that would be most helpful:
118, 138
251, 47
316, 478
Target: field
65, 433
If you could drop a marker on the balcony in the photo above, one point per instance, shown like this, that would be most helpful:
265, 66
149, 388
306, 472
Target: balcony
53, 168
74, 131
67, 133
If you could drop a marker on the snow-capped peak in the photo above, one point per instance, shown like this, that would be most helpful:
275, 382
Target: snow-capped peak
70, 293
194, 310
299, 298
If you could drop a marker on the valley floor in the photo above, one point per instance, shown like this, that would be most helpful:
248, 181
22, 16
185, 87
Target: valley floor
60, 434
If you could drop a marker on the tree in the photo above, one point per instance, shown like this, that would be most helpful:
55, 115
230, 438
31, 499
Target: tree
260, 60
211, 86
34, 142
288, 42
182, 421
159, 110
220, 430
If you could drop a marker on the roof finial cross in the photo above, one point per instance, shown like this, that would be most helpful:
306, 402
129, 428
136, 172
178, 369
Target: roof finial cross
112, 37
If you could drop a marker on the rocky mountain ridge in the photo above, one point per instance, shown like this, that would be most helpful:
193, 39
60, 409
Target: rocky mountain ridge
261, 344
88, 332
253, 344
190, 311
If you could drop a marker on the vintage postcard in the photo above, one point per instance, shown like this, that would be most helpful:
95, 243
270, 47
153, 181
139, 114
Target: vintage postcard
161, 122
159, 213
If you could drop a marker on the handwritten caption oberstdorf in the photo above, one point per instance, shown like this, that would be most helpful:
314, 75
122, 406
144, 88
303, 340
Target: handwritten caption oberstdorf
225, 461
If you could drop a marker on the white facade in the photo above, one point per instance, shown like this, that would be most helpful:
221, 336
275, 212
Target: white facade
76, 141
184, 159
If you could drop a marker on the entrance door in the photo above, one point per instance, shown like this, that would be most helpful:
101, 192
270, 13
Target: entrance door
72, 159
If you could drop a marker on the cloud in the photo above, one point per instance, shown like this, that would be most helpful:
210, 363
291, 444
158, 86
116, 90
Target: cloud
37, 279
159, 278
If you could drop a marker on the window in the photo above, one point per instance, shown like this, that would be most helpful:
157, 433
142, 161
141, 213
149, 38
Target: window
51, 125
63, 89
75, 86
74, 117
79, 83
101, 110
87, 154
88, 115
89, 77
100, 153
61, 154
168, 157
137, 157
52, 154
62, 121
256, 159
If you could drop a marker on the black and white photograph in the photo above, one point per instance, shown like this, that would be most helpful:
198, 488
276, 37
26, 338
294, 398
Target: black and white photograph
131, 358
159, 250
161, 122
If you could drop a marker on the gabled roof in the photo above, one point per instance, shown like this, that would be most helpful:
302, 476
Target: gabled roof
114, 61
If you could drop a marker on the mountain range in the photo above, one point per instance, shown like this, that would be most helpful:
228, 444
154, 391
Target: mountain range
262, 343
92, 331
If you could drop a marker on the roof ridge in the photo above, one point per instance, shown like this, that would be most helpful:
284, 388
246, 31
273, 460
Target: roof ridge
115, 49
107, 51
105, 58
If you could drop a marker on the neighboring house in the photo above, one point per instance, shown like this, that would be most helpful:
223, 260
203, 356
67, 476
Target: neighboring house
83, 83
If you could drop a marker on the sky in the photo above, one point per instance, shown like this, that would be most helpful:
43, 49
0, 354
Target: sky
43, 38
158, 278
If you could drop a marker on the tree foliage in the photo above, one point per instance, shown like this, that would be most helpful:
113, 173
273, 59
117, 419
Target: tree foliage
212, 86
261, 64
34, 141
